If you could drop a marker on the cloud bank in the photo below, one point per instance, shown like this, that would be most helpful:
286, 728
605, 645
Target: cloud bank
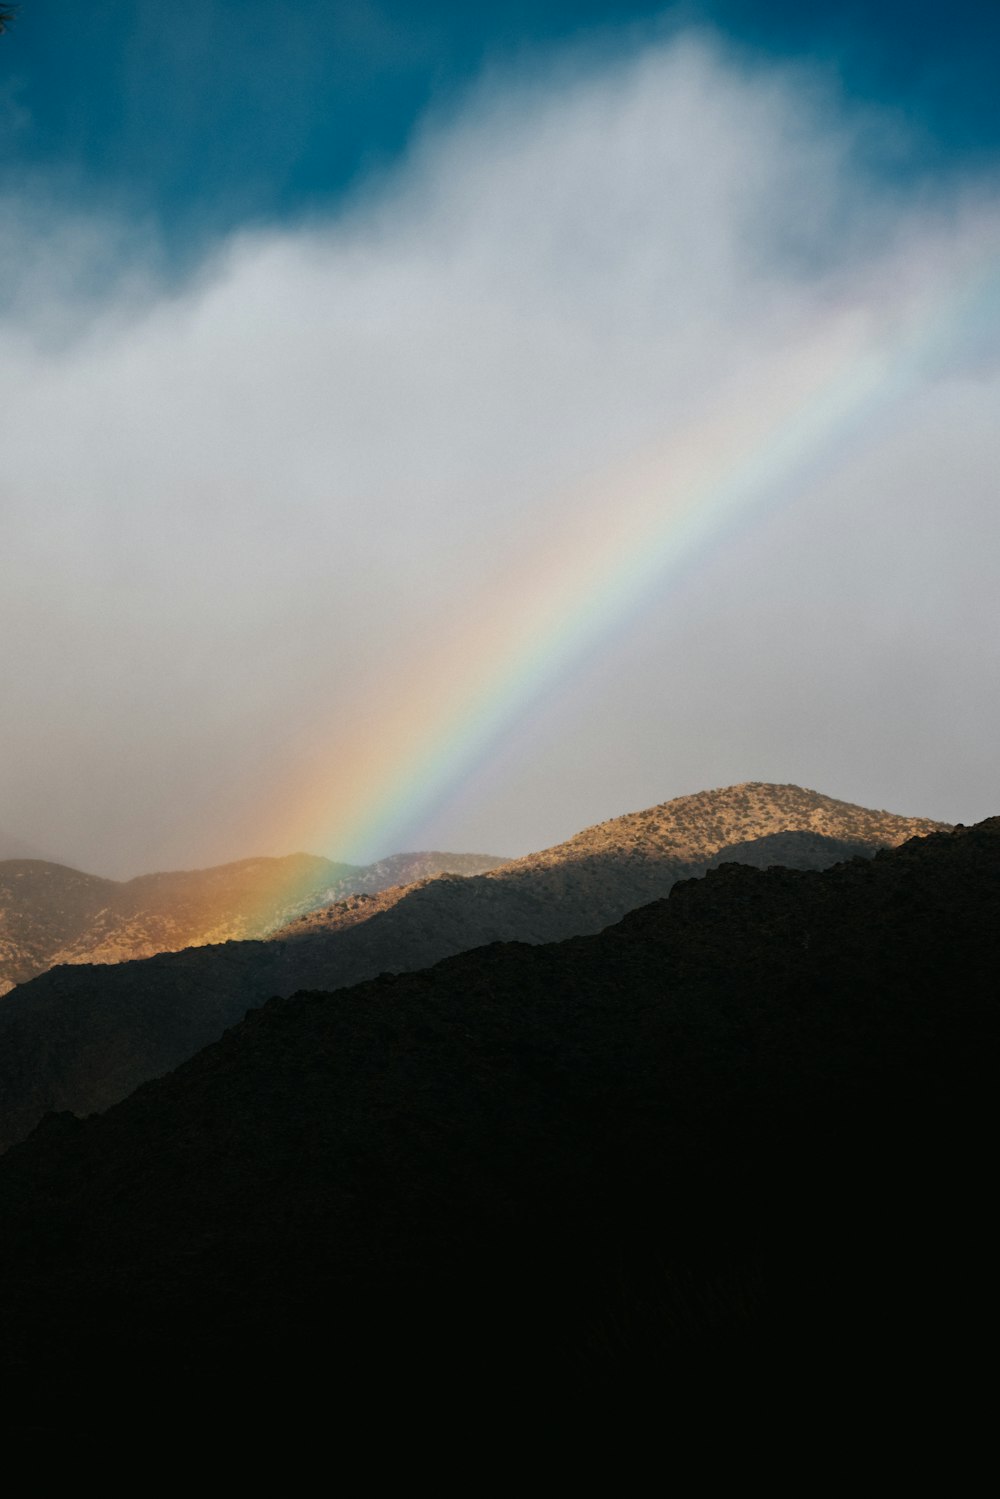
243, 515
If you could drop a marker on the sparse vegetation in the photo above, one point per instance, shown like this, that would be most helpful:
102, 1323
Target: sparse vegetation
755, 1117
83, 1038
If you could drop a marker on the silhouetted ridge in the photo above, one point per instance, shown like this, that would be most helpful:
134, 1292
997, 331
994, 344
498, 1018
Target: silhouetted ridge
756, 1115
82, 1038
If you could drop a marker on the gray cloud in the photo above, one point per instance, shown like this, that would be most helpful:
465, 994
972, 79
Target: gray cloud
229, 507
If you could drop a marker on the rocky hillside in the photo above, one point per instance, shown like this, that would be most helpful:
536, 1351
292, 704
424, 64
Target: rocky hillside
606, 870
695, 828
407, 869
50, 914
81, 1038
755, 1119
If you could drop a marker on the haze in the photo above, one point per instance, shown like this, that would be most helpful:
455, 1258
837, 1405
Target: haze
246, 500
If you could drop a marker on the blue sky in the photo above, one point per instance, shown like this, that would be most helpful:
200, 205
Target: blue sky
204, 114
338, 342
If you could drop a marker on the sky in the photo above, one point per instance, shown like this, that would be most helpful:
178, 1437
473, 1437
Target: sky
448, 427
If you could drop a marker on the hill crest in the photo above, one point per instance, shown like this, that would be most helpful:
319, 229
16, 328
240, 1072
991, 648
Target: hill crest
52, 914
81, 1037
759, 1108
698, 825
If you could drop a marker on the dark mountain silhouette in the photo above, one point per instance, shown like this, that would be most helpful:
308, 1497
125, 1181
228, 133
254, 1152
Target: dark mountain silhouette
81, 1038
756, 1118
51, 914
795, 850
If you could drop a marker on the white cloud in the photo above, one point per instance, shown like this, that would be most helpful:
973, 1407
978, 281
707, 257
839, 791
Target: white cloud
228, 507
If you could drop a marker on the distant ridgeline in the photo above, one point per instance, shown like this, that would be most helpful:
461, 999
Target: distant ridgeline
81, 1038
752, 1122
50, 914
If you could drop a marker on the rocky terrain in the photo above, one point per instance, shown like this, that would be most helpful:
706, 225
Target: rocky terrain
51, 914
595, 877
753, 1121
80, 1038
407, 869
697, 827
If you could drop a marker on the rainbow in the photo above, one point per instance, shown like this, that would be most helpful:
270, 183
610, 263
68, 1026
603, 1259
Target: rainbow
416, 739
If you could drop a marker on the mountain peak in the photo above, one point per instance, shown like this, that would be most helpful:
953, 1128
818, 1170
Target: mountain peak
697, 826
102, 1032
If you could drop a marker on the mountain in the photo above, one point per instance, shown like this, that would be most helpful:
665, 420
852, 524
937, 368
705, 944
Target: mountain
80, 1038
50, 914
406, 869
602, 872
754, 1120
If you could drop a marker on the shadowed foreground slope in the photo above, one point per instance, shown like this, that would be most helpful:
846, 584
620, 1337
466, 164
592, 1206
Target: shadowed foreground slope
756, 1116
81, 1038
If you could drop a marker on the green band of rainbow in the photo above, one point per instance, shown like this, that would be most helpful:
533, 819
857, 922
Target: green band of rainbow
766, 432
